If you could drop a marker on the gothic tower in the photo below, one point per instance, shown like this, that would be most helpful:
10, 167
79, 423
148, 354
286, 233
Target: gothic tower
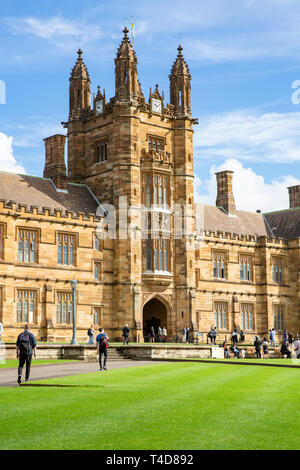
80, 103
180, 86
127, 86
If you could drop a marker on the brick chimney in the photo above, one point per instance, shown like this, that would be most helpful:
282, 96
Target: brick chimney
55, 167
294, 193
225, 196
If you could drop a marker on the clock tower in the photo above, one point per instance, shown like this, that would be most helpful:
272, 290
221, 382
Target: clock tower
130, 151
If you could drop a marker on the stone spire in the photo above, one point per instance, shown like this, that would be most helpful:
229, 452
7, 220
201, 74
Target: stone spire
127, 86
180, 85
80, 93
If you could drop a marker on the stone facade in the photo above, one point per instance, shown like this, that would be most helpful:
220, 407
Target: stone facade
233, 272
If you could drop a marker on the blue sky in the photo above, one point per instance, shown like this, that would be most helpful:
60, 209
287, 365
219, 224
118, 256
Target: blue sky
243, 56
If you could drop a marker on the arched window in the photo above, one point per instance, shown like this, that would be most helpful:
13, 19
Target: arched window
20, 252
71, 258
58, 312
19, 311
65, 253
26, 251
31, 311
32, 251
25, 311
59, 254
70, 313
180, 97
64, 312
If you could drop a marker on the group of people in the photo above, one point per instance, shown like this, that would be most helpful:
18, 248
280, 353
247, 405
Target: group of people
26, 345
26, 349
186, 334
91, 335
161, 335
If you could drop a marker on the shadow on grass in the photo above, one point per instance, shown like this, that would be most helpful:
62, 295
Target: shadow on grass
61, 385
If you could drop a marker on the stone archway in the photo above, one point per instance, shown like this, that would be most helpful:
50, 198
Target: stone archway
155, 313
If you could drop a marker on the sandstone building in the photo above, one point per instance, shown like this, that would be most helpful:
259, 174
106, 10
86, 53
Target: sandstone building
240, 269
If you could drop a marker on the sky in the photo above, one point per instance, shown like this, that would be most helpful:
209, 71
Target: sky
244, 59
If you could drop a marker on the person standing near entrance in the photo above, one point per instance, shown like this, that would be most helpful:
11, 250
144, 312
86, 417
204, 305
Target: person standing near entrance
152, 334
164, 333
102, 340
25, 347
125, 334
160, 333
272, 338
184, 334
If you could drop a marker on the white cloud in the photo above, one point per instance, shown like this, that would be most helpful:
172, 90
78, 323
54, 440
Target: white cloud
248, 136
7, 159
58, 30
250, 190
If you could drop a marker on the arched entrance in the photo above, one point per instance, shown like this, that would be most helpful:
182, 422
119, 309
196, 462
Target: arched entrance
154, 314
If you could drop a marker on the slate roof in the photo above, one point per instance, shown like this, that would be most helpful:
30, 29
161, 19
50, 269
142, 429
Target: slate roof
41, 192
244, 223
285, 223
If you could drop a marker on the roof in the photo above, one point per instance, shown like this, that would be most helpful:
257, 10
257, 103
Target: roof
244, 223
41, 193
285, 223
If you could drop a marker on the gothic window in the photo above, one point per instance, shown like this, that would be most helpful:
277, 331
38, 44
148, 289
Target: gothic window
220, 314
156, 143
277, 269
158, 255
279, 317
98, 271
246, 268
247, 316
101, 151
97, 316
66, 249
64, 308
27, 245
98, 246
219, 265
156, 189
26, 306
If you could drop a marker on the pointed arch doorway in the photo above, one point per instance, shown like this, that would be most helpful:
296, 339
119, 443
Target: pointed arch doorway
155, 313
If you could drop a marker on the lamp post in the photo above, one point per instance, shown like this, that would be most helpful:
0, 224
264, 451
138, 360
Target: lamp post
74, 287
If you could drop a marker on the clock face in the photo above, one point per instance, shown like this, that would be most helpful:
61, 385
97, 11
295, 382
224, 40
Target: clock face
99, 107
156, 105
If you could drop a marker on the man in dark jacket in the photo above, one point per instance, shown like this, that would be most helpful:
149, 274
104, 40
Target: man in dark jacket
101, 340
25, 347
126, 334
285, 350
257, 345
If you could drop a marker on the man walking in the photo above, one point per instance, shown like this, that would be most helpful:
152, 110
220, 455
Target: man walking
125, 334
102, 340
25, 347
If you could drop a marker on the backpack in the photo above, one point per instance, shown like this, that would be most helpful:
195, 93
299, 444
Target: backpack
24, 342
89, 332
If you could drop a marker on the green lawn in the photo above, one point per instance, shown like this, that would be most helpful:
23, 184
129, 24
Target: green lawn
35, 362
173, 406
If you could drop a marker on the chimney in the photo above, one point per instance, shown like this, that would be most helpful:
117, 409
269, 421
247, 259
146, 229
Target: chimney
225, 196
55, 167
294, 193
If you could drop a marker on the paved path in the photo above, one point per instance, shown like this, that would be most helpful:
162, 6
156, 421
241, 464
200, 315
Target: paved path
8, 377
